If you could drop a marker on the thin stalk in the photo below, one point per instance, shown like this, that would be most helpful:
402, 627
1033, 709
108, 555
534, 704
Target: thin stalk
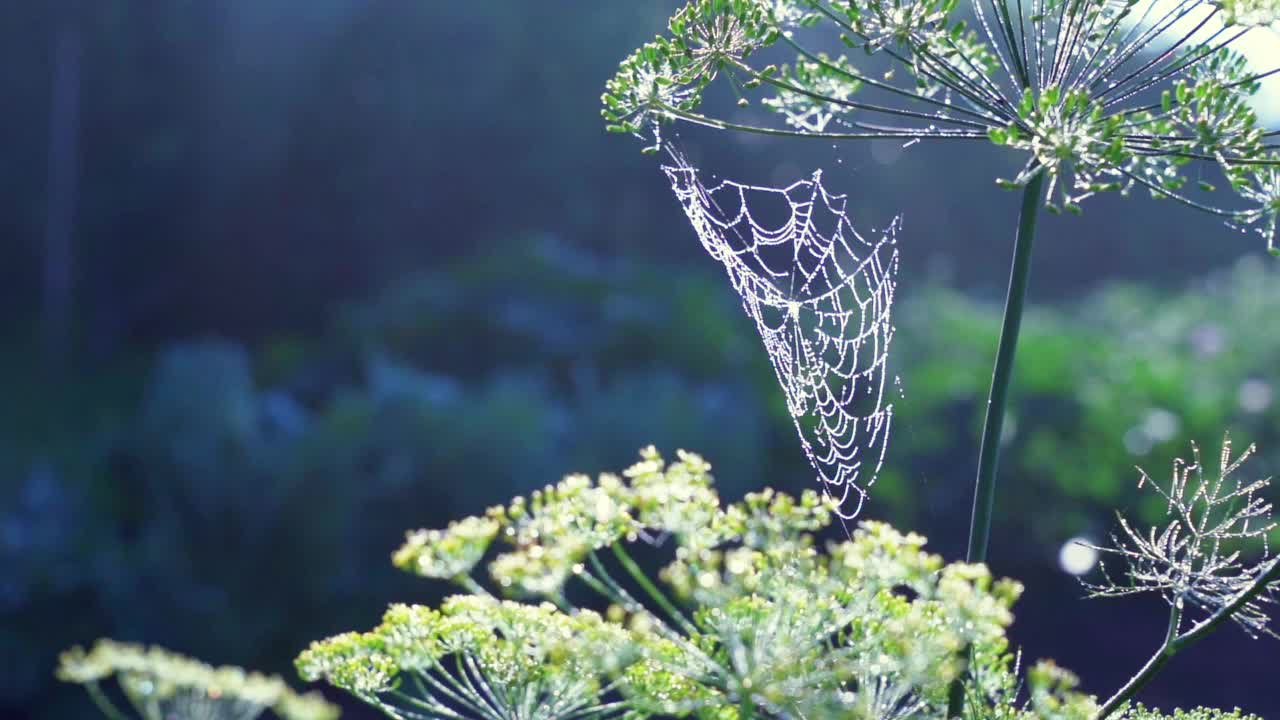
610, 588
468, 583
385, 708
457, 696
103, 702
872, 82
1167, 54
429, 705
984, 495
1179, 68
652, 590
597, 710
468, 664
904, 134
897, 112
1176, 197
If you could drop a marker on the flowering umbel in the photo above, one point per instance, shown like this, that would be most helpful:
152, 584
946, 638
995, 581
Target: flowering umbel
751, 618
160, 685
1098, 95
480, 656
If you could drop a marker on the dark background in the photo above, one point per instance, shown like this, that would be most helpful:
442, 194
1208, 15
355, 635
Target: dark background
283, 279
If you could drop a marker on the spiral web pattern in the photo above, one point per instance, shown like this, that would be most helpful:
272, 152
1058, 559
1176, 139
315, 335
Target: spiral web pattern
820, 294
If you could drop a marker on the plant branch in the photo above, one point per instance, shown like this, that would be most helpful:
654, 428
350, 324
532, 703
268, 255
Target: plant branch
1248, 79
906, 62
903, 134
1163, 56
610, 589
1175, 642
468, 583
1178, 69
853, 104
872, 82
1152, 667
459, 696
1265, 578
1176, 197
652, 590
1132, 45
104, 703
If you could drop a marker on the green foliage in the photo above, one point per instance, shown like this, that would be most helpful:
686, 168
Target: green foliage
345, 434
750, 618
301, 458
160, 685
1114, 379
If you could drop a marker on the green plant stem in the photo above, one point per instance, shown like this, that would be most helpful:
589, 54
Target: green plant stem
955, 695
104, 703
1174, 643
984, 494
430, 705
652, 590
612, 590
469, 584
458, 693
609, 588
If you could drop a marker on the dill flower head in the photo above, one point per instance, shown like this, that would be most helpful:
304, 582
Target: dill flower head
1097, 95
676, 498
162, 685
553, 531
484, 657
752, 615
449, 553
874, 627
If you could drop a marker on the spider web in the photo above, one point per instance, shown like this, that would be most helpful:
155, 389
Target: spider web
820, 294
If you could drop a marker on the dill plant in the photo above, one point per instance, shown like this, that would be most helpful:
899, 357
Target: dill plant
1200, 561
160, 685
751, 617
1096, 95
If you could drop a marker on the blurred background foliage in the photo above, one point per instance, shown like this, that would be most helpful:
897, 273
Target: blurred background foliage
282, 280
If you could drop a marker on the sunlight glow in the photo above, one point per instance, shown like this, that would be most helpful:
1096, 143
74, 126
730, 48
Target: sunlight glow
1262, 47
1077, 556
